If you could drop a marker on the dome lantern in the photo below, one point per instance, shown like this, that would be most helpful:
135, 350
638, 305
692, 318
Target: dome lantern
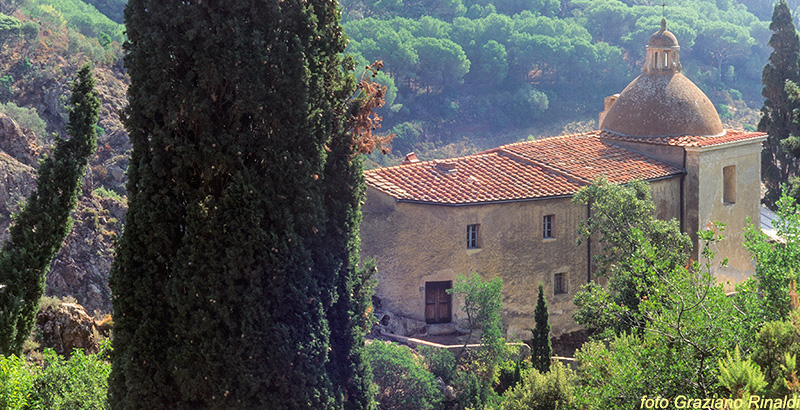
662, 51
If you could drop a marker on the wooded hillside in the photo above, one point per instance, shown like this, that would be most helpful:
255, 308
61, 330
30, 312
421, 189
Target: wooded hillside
504, 69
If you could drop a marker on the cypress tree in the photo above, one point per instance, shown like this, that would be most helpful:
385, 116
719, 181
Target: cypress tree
778, 118
344, 188
225, 292
541, 348
40, 228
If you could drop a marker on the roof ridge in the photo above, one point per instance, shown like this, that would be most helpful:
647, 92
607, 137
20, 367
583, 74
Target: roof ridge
543, 165
430, 161
535, 141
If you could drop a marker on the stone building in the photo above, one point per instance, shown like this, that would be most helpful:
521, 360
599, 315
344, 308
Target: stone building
507, 212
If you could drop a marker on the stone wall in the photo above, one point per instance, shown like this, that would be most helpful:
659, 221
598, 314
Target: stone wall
415, 243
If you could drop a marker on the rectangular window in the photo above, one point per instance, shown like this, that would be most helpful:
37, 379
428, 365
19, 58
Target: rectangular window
547, 227
560, 283
472, 236
437, 302
729, 184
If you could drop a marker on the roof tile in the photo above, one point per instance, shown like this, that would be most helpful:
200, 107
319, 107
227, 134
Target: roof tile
542, 168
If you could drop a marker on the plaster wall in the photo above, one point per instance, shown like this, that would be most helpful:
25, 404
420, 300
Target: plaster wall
746, 158
669, 154
414, 243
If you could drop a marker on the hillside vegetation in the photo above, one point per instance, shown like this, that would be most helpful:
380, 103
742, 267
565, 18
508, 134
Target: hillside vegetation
506, 68
42, 44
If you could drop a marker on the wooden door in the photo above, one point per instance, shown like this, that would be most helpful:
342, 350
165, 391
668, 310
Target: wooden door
437, 302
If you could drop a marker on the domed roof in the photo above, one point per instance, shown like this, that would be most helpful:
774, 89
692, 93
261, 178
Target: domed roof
662, 102
663, 37
660, 105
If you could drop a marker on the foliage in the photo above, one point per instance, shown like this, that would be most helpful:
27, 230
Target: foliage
249, 255
80, 382
40, 228
9, 27
774, 342
774, 260
685, 323
509, 373
403, 383
612, 375
550, 390
113, 9
541, 347
16, 383
27, 118
518, 64
77, 383
740, 378
102, 192
636, 249
778, 112
440, 362
77, 15
482, 303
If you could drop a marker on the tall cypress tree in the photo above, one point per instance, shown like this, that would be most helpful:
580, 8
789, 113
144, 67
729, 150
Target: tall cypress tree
778, 117
541, 348
40, 228
223, 292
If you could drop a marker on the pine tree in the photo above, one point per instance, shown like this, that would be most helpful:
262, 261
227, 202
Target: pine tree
40, 228
778, 118
541, 349
235, 284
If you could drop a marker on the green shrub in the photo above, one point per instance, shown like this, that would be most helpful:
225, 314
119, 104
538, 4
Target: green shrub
27, 118
9, 27
403, 382
509, 374
30, 30
724, 111
542, 391
80, 382
16, 383
440, 362
102, 192
470, 392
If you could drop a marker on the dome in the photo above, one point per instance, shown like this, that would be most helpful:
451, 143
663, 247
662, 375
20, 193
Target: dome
663, 37
660, 105
662, 102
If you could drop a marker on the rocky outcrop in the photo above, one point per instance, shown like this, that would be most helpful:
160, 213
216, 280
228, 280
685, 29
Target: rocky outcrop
82, 266
41, 70
17, 142
65, 327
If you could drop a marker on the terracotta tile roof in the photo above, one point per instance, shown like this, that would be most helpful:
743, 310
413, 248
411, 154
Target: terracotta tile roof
472, 179
542, 168
586, 156
689, 140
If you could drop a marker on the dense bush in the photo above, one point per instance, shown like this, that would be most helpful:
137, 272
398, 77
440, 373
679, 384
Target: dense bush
16, 383
542, 391
440, 362
77, 383
403, 382
27, 118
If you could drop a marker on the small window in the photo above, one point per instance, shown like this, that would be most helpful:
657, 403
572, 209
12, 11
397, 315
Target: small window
560, 283
547, 227
472, 236
729, 184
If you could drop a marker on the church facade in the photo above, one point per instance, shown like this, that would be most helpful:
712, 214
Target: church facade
507, 212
